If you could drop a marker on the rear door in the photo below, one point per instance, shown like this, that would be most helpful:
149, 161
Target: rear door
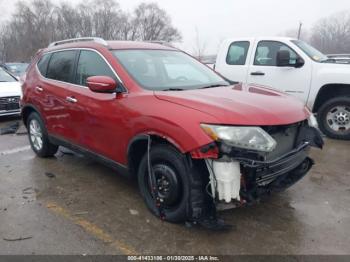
264, 70
53, 89
96, 118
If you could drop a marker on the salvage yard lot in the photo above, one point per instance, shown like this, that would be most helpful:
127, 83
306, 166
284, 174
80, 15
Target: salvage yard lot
72, 205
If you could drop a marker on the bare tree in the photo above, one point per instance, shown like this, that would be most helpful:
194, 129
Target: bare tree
153, 23
106, 18
31, 27
36, 23
332, 34
68, 22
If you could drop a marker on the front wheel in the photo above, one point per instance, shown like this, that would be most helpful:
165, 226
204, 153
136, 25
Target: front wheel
173, 182
334, 118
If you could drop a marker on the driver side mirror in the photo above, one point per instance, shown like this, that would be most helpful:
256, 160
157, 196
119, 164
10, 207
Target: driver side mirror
101, 84
283, 60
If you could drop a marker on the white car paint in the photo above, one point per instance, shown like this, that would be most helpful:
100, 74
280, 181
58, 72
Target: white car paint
10, 89
304, 82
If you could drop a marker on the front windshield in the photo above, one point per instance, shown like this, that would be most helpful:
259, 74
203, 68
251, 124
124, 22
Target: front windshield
167, 70
6, 77
312, 52
17, 68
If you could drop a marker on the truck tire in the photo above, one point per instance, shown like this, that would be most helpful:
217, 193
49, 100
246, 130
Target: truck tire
176, 183
334, 118
38, 138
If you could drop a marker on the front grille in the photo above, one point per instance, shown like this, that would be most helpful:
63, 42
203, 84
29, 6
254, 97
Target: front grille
285, 137
9, 103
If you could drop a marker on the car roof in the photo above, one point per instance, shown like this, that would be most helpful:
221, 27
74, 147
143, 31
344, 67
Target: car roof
112, 45
138, 45
260, 38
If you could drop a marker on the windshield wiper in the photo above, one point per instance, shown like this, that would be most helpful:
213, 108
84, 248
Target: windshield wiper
173, 89
212, 86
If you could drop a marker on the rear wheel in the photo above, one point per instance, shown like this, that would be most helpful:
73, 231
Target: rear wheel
334, 118
38, 137
173, 182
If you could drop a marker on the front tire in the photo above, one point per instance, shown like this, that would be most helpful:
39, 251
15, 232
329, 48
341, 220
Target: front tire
173, 180
38, 137
334, 118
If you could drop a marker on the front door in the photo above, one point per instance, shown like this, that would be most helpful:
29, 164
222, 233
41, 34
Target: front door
95, 118
264, 70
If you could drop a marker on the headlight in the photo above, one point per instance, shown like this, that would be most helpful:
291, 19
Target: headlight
312, 121
248, 137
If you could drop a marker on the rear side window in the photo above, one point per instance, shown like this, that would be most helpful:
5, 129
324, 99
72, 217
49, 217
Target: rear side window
43, 63
91, 64
237, 53
61, 66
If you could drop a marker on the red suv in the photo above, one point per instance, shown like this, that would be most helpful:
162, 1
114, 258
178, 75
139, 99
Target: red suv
194, 140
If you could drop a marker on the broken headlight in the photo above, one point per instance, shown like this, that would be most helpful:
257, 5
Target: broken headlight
248, 137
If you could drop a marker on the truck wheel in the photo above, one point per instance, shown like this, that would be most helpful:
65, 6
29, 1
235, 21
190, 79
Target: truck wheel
38, 137
173, 182
334, 118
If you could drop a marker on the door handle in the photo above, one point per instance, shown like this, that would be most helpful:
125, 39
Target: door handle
258, 73
71, 99
39, 89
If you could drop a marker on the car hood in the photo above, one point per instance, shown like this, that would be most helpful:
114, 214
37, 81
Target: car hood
241, 104
10, 89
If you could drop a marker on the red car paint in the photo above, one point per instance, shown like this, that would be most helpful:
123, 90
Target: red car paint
107, 123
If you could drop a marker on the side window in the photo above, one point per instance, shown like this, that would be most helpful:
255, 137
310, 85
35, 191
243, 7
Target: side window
61, 66
43, 63
237, 53
91, 64
266, 53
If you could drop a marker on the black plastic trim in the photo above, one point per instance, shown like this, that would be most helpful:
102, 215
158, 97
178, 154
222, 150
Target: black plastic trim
120, 168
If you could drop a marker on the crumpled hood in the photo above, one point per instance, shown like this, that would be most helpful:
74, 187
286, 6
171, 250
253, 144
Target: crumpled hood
241, 104
10, 89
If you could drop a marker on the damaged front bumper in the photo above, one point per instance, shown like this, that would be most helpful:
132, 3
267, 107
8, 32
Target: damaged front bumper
240, 177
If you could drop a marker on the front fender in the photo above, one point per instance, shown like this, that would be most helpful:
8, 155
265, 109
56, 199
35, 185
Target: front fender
328, 74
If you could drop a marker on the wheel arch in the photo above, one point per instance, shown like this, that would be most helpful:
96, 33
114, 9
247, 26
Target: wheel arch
27, 110
330, 91
138, 147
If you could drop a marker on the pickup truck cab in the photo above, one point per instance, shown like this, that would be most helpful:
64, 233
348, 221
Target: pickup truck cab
294, 67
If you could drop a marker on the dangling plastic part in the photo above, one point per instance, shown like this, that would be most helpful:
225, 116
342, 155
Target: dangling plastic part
204, 212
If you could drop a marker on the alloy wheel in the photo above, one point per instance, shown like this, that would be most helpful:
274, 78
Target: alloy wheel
36, 135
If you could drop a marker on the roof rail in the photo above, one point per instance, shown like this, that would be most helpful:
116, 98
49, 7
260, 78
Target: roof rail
165, 43
80, 39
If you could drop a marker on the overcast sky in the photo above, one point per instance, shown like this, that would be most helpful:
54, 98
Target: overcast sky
219, 19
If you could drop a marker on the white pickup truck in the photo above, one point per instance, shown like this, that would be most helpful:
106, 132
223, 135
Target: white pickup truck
296, 68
